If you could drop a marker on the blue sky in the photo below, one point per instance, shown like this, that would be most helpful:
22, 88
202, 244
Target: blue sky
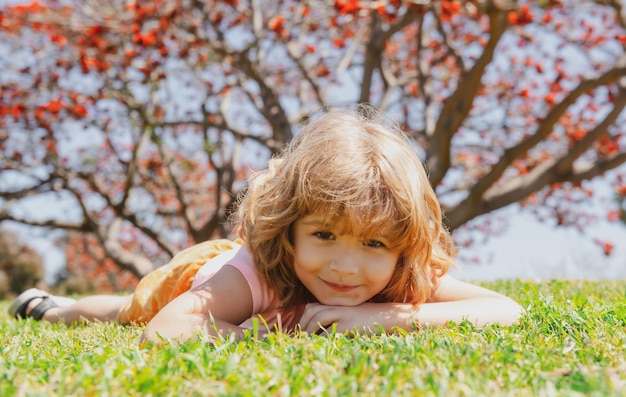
533, 250
530, 249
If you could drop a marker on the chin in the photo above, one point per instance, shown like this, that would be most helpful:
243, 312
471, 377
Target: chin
347, 302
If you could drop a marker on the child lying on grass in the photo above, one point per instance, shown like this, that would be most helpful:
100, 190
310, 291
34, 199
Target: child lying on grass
343, 229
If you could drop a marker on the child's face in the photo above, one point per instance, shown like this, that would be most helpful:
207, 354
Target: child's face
341, 269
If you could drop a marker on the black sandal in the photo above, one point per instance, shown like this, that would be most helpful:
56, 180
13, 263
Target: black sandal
20, 304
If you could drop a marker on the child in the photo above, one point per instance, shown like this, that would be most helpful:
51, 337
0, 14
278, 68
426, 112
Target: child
342, 229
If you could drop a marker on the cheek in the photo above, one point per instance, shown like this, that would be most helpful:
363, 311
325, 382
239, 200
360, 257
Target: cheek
302, 263
384, 281
389, 270
306, 255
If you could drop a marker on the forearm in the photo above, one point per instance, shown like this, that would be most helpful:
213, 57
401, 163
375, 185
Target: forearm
453, 300
183, 326
208, 310
478, 311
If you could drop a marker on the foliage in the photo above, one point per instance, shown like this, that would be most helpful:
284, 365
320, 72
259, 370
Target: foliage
142, 118
20, 266
570, 343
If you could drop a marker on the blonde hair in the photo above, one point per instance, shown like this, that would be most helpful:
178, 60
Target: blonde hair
348, 165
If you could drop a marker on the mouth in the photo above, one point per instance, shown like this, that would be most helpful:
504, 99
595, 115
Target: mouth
340, 287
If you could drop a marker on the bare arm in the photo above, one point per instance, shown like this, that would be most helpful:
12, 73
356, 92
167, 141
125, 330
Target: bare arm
453, 300
216, 306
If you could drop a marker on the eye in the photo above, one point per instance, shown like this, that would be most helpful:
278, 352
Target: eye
374, 244
324, 235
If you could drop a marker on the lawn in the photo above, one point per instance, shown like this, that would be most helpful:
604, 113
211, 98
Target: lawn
571, 342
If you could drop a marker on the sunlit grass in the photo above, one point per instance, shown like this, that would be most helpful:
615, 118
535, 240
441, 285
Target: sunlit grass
571, 342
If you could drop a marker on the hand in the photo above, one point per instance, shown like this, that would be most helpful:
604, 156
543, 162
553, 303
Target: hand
369, 318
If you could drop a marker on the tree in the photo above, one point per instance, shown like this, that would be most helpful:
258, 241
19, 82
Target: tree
146, 116
21, 267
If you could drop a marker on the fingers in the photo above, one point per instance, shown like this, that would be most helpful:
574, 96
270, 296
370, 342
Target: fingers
310, 311
317, 318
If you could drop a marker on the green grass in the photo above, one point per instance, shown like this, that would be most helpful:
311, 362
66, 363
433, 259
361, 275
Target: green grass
571, 342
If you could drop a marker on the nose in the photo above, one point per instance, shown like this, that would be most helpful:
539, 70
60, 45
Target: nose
345, 262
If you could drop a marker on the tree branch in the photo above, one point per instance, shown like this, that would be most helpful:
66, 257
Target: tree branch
376, 46
50, 223
547, 175
574, 152
137, 264
184, 207
617, 6
458, 105
543, 131
271, 109
131, 170
563, 169
43, 186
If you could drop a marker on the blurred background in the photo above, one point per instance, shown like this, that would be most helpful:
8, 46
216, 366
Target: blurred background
128, 128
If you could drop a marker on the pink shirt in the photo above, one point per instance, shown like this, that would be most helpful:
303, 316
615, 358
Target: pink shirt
265, 303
